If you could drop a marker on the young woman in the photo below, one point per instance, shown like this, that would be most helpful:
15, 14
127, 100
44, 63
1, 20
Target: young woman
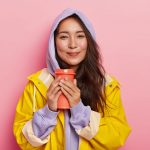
96, 119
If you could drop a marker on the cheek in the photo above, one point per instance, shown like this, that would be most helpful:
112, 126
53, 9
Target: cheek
84, 53
83, 45
61, 46
61, 49
61, 53
84, 48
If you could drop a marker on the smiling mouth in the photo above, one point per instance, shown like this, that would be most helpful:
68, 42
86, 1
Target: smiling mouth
73, 53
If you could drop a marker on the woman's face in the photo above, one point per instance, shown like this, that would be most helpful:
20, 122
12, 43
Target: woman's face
71, 42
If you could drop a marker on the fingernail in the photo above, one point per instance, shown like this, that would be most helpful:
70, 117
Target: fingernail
62, 80
66, 78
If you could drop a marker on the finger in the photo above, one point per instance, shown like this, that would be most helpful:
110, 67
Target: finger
75, 82
66, 93
58, 78
54, 84
52, 96
66, 88
76, 87
53, 87
58, 94
55, 91
69, 84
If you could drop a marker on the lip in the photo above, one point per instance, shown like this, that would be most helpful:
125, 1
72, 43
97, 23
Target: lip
73, 53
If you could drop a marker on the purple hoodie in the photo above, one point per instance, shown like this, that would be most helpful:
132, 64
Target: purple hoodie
52, 63
44, 120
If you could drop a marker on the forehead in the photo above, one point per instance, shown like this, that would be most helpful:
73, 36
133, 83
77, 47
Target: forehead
70, 24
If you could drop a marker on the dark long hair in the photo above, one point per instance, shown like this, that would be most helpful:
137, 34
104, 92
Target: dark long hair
90, 74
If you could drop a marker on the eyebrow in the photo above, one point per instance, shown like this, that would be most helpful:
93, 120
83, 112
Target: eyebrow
68, 32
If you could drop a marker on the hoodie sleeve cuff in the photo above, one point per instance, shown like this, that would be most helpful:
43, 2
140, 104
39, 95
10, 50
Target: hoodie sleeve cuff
49, 113
80, 116
44, 120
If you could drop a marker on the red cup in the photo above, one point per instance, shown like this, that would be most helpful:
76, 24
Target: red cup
62, 100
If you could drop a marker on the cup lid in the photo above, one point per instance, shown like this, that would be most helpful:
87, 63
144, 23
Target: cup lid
64, 71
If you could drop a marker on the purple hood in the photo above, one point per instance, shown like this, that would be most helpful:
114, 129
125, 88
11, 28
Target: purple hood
52, 63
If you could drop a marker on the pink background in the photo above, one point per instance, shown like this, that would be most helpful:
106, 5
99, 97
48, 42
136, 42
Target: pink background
123, 32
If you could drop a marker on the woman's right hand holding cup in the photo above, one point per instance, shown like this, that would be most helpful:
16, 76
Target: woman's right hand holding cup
53, 93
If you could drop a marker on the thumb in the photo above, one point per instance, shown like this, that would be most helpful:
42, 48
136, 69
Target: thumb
75, 81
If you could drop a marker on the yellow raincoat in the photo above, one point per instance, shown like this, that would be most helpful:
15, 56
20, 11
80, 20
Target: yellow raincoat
113, 128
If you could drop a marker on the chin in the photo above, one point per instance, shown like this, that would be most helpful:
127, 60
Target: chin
74, 63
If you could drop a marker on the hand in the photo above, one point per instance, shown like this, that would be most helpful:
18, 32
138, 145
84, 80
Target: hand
53, 94
70, 90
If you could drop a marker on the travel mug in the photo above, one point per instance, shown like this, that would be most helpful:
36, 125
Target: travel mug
62, 100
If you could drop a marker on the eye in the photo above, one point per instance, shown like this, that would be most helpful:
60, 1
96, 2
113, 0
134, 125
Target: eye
63, 37
81, 36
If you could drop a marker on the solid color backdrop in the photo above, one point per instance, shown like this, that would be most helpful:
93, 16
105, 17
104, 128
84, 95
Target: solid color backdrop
123, 33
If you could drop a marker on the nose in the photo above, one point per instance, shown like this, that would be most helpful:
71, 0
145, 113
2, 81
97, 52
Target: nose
72, 43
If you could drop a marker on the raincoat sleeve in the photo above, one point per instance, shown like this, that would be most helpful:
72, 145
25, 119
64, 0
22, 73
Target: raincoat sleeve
22, 128
109, 132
